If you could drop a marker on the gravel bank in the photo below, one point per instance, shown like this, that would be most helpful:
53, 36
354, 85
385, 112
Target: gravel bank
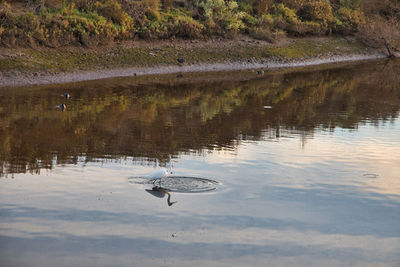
21, 79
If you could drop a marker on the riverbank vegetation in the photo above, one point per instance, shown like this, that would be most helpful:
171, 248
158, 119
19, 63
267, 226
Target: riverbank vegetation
89, 23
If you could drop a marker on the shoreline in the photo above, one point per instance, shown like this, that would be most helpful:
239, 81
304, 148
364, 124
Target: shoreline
26, 80
29, 67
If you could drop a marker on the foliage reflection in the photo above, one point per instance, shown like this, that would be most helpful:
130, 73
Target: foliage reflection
157, 118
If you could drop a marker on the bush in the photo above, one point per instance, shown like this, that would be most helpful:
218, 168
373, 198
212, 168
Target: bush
21, 29
318, 11
255, 7
262, 28
64, 26
293, 4
267, 34
384, 8
284, 16
91, 22
312, 18
111, 9
351, 4
348, 20
152, 4
222, 17
381, 32
185, 27
90, 28
172, 23
286, 19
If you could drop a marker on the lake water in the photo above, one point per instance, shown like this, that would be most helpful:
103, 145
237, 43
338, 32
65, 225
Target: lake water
303, 168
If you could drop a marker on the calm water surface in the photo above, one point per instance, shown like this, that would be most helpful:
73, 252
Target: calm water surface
308, 165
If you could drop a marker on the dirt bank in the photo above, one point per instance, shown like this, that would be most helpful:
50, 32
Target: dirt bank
19, 67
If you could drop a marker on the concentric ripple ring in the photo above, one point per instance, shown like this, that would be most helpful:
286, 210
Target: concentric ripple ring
182, 184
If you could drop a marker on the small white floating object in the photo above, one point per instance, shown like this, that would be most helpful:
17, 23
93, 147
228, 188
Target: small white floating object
267, 106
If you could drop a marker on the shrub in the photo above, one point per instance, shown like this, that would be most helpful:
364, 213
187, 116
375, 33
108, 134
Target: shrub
152, 4
90, 22
246, 7
136, 10
351, 4
318, 11
28, 21
57, 31
313, 18
7, 19
72, 26
262, 28
111, 9
286, 13
384, 8
185, 27
381, 32
267, 34
250, 21
21, 29
348, 20
255, 7
85, 5
293, 4
172, 23
286, 19
261, 6
222, 17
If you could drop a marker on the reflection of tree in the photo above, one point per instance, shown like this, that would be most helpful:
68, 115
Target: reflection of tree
157, 119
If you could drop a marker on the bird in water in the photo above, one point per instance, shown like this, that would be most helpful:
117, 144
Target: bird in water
161, 174
66, 95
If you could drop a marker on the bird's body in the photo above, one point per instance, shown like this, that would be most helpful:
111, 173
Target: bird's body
160, 174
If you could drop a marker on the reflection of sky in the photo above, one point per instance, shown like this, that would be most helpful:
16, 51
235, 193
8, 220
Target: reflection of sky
343, 157
282, 202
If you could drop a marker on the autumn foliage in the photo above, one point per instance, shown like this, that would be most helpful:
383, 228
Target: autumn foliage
57, 23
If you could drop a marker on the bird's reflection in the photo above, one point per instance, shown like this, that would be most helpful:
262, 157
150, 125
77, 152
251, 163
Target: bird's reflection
160, 192
62, 107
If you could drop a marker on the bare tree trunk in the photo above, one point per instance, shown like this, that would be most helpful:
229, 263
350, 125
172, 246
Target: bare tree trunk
388, 48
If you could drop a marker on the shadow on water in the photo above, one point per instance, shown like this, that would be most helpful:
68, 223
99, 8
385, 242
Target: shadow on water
155, 118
